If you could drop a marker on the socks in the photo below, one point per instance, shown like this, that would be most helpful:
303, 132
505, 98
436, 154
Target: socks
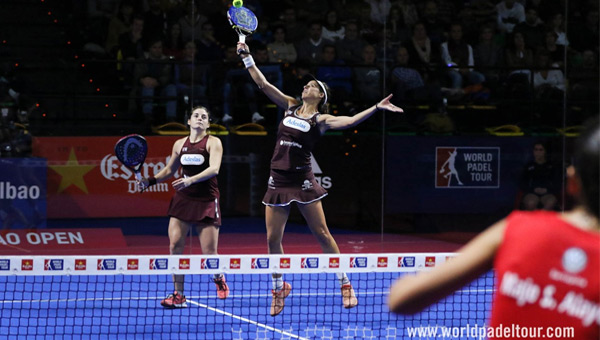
342, 278
277, 283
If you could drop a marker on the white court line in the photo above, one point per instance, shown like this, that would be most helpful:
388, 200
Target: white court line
258, 324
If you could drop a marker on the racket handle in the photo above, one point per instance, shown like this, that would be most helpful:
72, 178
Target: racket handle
242, 39
138, 176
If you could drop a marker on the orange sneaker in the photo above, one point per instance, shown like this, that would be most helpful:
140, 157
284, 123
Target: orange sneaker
174, 300
278, 301
222, 288
348, 296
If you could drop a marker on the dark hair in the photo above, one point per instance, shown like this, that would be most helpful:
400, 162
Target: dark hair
194, 108
587, 166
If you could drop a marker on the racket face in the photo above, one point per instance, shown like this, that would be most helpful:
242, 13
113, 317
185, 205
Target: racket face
242, 18
131, 150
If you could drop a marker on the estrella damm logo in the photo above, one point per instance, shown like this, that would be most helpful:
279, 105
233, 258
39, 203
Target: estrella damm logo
430, 261
382, 262
159, 264
358, 262
107, 264
467, 167
184, 264
406, 261
309, 262
334, 262
235, 263
209, 264
260, 263
27, 264
285, 263
81, 264
133, 264
54, 264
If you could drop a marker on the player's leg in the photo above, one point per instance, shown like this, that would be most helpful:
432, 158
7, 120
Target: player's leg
178, 231
208, 233
315, 218
276, 218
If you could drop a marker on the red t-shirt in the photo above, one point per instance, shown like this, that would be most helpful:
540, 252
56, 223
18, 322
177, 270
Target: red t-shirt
548, 276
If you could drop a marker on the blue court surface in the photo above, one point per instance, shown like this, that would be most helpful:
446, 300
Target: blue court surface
128, 307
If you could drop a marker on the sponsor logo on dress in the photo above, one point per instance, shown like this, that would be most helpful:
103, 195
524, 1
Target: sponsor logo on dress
192, 159
574, 260
296, 124
290, 144
307, 185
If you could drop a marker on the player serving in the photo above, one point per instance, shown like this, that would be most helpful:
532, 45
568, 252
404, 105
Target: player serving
196, 200
291, 177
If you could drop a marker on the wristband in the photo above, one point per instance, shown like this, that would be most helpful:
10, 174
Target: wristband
377, 107
248, 61
151, 181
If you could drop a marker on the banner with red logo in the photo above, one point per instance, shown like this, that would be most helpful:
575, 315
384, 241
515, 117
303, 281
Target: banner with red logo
85, 179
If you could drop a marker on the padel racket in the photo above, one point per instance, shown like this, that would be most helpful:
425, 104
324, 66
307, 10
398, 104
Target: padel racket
243, 21
131, 150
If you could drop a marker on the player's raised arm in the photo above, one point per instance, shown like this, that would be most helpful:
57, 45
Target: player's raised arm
279, 98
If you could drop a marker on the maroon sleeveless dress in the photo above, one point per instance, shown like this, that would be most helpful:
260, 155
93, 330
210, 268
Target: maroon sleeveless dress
291, 178
198, 203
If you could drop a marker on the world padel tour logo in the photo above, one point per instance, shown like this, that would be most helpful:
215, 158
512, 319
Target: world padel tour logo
4, 264
159, 264
358, 262
209, 263
406, 261
53, 264
309, 262
260, 263
467, 167
107, 264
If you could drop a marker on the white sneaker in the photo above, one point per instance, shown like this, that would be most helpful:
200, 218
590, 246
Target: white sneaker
226, 118
257, 118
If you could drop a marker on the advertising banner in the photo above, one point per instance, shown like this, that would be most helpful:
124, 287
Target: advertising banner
85, 179
22, 193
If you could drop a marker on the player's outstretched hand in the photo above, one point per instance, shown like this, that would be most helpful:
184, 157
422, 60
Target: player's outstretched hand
385, 104
143, 184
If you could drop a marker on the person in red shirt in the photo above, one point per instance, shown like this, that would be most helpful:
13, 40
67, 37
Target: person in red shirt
544, 281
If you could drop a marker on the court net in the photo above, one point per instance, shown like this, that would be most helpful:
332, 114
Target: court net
118, 297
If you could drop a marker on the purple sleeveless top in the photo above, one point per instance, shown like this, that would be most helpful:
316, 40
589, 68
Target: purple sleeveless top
194, 158
296, 138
